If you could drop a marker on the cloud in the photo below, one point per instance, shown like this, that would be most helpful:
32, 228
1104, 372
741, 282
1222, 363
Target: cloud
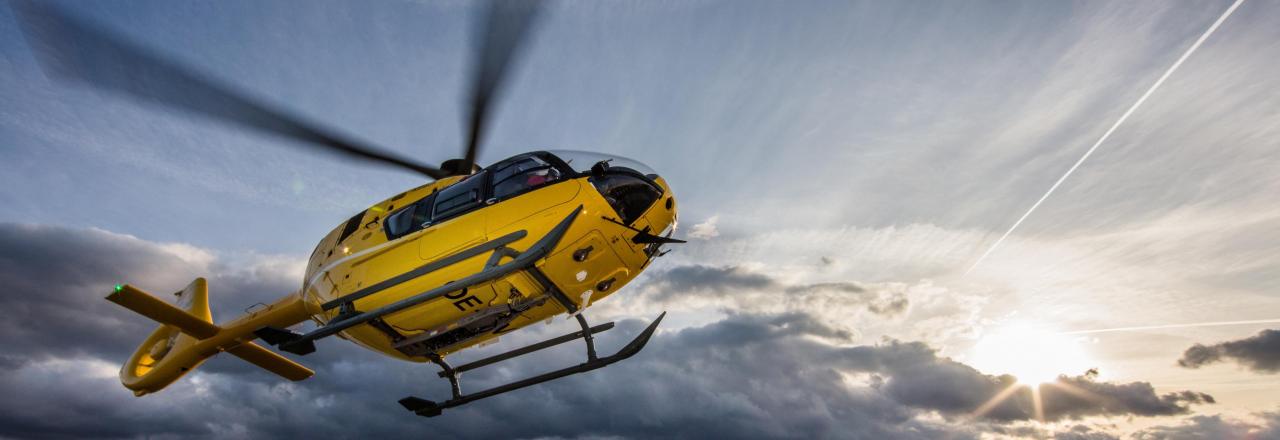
774, 355
749, 374
57, 279
705, 230
1082, 432
1215, 427
1065, 432
1072, 397
741, 288
888, 303
714, 280
1260, 353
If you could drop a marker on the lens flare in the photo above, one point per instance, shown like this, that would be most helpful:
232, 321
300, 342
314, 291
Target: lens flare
1030, 353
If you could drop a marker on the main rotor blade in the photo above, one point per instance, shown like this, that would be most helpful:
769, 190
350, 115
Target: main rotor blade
501, 34
70, 49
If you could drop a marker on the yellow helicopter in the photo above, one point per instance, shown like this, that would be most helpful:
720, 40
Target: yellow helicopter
472, 255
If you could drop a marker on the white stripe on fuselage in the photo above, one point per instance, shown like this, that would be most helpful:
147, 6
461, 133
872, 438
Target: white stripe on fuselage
402, 240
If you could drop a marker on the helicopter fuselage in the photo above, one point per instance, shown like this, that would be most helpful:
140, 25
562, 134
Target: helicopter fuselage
510, 204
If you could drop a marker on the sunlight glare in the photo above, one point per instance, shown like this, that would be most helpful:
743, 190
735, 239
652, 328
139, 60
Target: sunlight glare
1032, 354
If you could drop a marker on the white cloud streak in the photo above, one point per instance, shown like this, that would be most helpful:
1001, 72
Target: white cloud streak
1169, 326
1111, 130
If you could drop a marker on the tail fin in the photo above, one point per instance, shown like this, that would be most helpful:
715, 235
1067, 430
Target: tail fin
187, 336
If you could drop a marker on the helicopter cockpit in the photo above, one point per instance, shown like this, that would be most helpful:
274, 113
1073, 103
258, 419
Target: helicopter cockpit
626, 184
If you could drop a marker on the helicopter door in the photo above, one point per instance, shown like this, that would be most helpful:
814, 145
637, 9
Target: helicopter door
455, 221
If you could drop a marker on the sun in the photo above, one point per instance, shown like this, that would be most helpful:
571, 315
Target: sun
1031, 353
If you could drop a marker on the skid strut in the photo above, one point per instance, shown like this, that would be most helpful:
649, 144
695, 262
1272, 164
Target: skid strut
427, 408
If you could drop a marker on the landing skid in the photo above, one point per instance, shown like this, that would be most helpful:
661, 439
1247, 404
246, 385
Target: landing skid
427, 408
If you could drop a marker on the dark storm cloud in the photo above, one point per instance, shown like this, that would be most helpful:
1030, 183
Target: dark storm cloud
748, 375
720, 280
1260, 353
1072, 397
736, 281
56, 279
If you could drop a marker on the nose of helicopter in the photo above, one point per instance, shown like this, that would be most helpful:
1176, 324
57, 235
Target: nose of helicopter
670, 204
664, 217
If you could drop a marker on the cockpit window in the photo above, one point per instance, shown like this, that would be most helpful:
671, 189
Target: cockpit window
521, 174
459, 197
350, 227
409, 219
628, 194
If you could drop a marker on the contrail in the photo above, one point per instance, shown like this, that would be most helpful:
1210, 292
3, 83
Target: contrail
1158, 327
1104, 137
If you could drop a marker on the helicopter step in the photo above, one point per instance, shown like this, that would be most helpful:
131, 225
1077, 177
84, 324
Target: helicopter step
428, 408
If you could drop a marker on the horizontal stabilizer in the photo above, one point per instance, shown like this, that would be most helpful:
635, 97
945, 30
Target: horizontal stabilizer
270, 361
189, 322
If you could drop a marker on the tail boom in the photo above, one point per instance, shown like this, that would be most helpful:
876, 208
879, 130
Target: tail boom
187, 336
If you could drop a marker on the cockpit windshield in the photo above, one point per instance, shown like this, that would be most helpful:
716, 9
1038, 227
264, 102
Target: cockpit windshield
582, 161
627, 185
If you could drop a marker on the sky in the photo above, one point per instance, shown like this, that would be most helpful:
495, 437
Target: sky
840, 166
